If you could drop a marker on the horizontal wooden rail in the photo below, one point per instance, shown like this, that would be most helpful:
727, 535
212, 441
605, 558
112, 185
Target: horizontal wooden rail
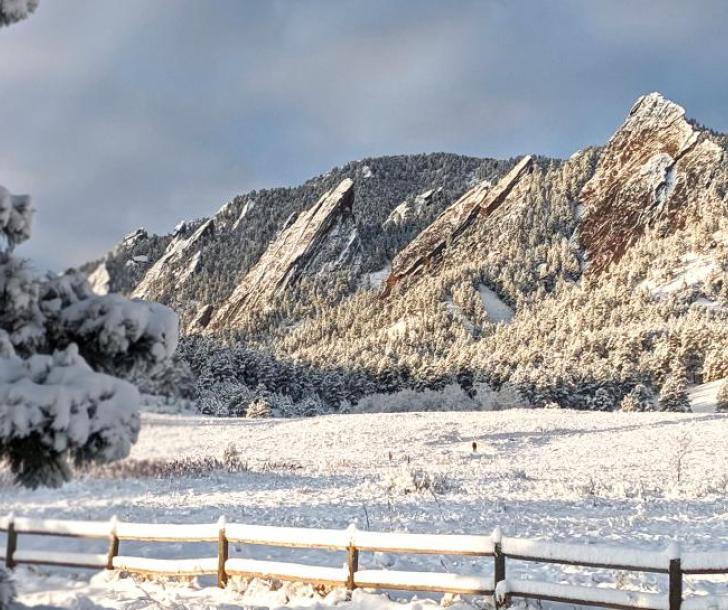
584, 596
353, 541
587, 555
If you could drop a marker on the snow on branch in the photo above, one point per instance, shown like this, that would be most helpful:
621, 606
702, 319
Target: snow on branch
16, 211
15, 10
59, 345
58, 406
120, 331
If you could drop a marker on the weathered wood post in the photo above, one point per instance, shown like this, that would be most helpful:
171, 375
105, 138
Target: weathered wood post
499, 568
675, 578
223, 552
352, 559
12, 543
113, 545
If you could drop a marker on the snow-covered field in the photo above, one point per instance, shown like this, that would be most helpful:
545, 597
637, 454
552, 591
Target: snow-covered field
639, 479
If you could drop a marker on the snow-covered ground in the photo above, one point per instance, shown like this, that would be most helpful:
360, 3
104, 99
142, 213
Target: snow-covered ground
704, 397
496, 309
693, 270
639, 479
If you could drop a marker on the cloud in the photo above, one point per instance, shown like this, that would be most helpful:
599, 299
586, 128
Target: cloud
121, 114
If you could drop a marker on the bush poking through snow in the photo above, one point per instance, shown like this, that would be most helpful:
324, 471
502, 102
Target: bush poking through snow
7, 590
232, 459
418, 480
59, 346
166, 469
683, 447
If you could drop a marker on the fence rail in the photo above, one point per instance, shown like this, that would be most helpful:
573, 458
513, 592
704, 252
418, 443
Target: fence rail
352, 541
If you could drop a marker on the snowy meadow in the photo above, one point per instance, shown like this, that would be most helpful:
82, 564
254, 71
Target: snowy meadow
639, 480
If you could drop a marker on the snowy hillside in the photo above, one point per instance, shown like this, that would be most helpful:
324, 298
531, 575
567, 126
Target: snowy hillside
636, 479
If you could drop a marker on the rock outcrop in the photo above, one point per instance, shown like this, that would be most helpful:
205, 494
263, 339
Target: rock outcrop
406, 210
652, 170
324, 234
155, 284
428, 246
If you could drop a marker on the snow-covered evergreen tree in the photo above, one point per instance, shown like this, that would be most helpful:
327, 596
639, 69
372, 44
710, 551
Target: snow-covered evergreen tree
603, 400
259, 408
61, 349
638, 399
12, 230
673, 394
15, 10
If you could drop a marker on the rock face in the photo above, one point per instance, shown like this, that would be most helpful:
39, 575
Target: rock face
652, 170
427, 247
323, 233
153, 285
406, 209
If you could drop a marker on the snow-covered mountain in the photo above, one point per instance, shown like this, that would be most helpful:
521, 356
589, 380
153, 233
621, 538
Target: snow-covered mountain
561, 278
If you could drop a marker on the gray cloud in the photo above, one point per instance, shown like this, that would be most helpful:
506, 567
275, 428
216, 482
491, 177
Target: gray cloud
121, 114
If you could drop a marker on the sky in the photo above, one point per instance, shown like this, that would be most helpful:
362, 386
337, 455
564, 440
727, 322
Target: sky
116, 115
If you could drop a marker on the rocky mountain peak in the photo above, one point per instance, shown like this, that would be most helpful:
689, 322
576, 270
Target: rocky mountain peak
654, 167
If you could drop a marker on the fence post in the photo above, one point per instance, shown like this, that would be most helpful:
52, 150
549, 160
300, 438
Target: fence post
352, 559
113, 545
11, 543
675, 578
499, 568
223, 552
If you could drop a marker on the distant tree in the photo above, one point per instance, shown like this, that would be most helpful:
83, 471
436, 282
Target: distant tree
673, 394
638, 399
259, 408
603, 400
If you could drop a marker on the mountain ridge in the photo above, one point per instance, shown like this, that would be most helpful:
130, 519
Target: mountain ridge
550, 234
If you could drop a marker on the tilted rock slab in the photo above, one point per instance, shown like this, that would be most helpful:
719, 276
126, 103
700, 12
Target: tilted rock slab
156, 282
480, 201
653, 168
287, 257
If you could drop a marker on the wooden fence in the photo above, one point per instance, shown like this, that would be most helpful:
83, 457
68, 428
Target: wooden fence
352, 541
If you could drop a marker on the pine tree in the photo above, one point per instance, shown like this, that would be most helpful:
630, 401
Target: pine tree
673, 394
60, 349
638, 399
629, 404
12, 11
603, 400
259, 408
